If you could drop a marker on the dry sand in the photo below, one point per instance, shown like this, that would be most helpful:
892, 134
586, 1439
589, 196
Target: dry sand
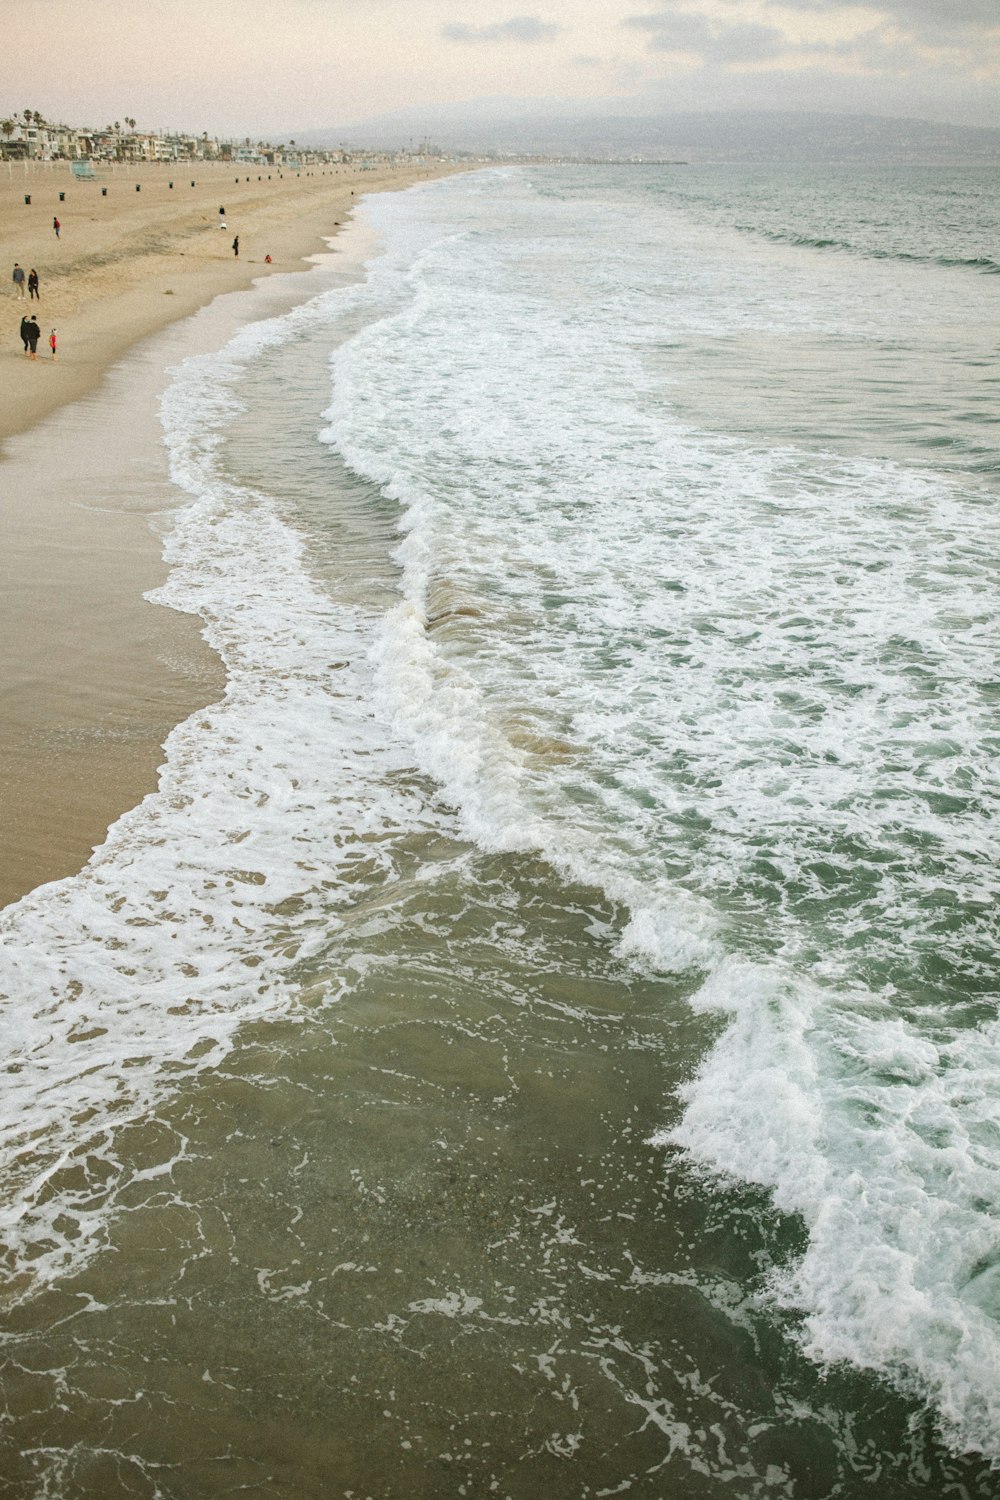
93, 677
129, 263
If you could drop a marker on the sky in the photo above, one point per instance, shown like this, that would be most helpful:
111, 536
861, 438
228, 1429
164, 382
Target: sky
270, 67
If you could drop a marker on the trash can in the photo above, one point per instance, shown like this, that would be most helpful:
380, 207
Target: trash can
27, 197
138, 187
104, 192
62, 197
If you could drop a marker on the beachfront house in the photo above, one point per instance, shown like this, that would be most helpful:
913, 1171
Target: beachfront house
38, 140
32, 138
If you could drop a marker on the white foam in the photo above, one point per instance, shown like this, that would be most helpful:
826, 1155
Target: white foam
187, 922
745, 687
885, 1142
722, 680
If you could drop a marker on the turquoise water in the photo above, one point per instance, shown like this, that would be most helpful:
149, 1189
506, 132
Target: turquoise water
541, 1038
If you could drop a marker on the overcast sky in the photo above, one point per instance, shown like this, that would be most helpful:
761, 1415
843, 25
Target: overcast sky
269, 67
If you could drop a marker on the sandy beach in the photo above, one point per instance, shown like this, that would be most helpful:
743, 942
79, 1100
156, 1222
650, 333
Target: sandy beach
93, 676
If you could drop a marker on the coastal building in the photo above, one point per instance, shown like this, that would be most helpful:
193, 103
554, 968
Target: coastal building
29, 137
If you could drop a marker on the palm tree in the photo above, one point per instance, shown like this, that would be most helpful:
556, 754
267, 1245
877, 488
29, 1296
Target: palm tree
39, 119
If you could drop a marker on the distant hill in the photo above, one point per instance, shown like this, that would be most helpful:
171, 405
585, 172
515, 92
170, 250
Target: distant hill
509, 127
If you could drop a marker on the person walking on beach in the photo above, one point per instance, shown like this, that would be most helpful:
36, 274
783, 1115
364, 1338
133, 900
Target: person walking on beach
33, 285
24, 331
52, 344
19, 279
34, 334
56, 226
236, 247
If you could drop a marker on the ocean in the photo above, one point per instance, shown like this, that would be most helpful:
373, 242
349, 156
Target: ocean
540, 1038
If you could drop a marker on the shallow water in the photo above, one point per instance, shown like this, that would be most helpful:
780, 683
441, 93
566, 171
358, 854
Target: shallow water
604, 761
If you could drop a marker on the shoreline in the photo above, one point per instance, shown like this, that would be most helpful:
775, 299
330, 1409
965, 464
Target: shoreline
94, 675
129, 264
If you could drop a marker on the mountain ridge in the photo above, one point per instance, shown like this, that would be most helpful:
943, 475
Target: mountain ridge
697, 136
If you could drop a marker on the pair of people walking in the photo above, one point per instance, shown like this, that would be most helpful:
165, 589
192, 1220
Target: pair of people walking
31, 333
31, 281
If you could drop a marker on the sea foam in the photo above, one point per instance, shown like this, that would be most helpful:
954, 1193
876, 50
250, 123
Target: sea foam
135, 975
742, 686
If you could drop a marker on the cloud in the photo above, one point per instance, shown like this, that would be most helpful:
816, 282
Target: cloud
933, 59
684, 31
878, 35
947, 14
957, 25
517, 29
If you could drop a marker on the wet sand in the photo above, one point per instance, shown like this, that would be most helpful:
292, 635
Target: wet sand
93, 676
